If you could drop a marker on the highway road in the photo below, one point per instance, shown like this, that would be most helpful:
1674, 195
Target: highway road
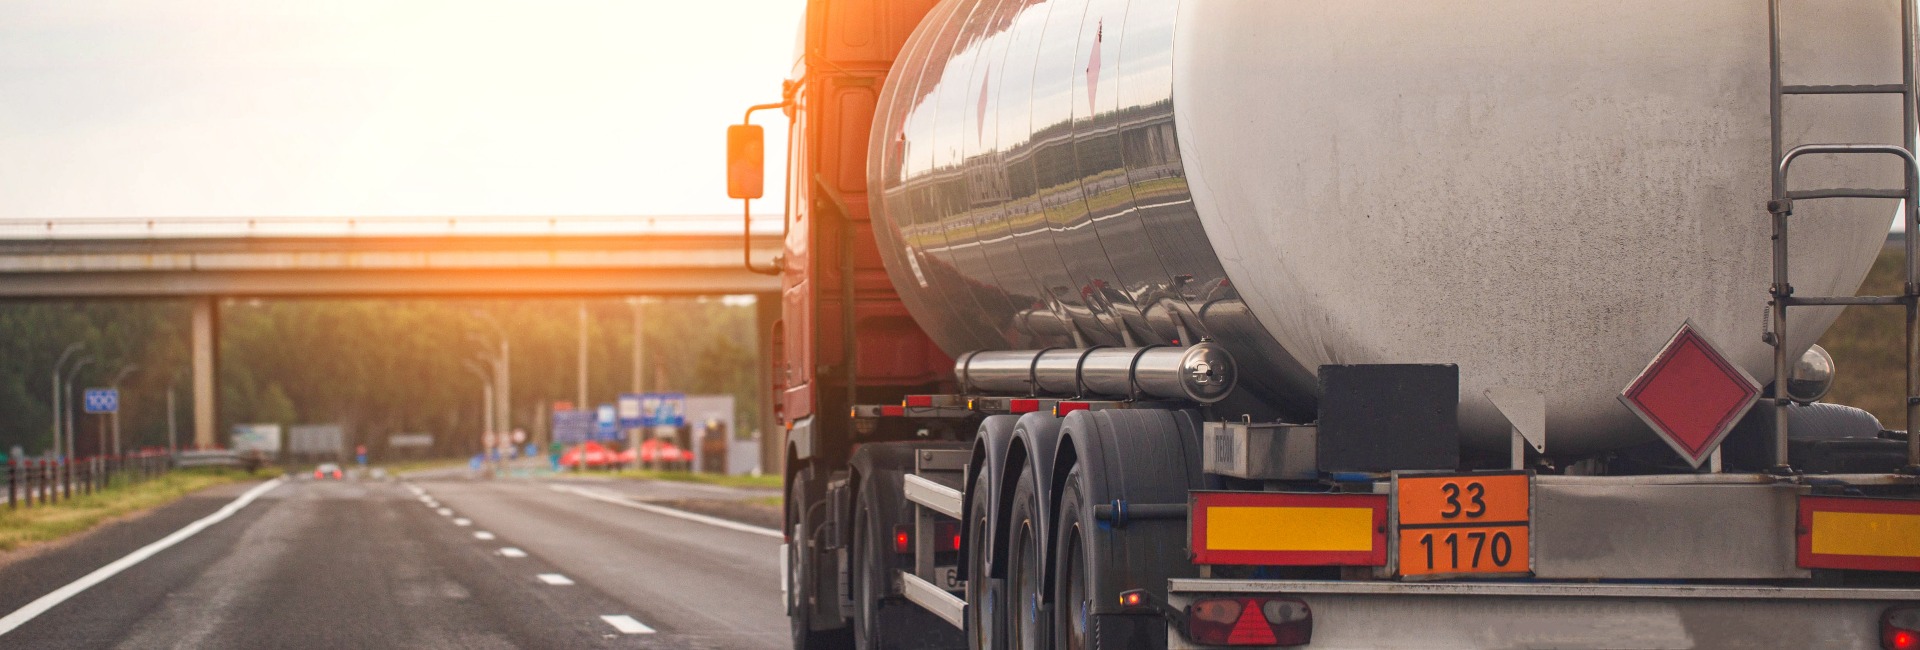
421, 563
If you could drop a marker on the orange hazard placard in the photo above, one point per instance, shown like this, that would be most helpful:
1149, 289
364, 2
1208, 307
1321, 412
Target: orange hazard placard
1458, 524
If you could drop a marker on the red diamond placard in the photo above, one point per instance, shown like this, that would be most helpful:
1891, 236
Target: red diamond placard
1691, 395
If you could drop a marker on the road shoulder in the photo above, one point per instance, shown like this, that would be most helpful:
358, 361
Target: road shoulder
32, 570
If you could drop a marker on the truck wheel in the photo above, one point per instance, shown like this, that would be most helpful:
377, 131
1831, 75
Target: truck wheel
1026, 567
986, 628
1073, 608
1075, 623
800, 576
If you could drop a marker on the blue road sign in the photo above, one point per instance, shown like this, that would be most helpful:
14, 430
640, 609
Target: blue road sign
663, 409
606, 423
572, 427
629, 411
102, 400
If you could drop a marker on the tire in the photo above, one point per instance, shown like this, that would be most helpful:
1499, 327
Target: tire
1076, 626
985, 602
867, 585
1026, 568
801, 578
1073, 603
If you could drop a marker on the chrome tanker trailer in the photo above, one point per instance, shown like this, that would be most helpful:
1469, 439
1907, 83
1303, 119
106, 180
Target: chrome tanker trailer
1118, 323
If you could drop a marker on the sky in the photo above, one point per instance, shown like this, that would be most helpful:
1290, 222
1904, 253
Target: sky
251, 108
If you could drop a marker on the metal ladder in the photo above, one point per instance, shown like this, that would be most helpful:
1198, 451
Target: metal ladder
1781, 207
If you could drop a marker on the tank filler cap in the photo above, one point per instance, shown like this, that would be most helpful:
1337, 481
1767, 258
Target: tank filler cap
1207, 372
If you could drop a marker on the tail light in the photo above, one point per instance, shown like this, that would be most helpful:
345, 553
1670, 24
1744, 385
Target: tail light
902, 540
1900, 628
317, 474
1256, 620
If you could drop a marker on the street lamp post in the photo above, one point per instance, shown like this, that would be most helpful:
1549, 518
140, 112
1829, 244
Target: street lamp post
502, 362
67, 400
582, 394
71, 348
115, 385
636, 303
67, 413
486, 400
173, 440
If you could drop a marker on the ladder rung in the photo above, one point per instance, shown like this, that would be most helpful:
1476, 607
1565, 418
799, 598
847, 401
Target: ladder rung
1845, 89
1839, 301
1847, 193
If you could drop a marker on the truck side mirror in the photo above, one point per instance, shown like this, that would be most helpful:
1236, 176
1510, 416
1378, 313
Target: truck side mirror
746, 161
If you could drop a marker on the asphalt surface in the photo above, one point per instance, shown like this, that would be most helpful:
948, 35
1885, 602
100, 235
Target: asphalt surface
363, 564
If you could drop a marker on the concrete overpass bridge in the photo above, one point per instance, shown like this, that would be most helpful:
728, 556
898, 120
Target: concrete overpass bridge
206, 259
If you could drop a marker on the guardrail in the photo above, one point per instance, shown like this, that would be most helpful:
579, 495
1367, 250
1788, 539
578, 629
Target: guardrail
31, 482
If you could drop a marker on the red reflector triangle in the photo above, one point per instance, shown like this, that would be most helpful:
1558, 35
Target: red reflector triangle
1252, 628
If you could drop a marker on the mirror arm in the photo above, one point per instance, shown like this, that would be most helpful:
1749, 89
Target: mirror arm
746, 205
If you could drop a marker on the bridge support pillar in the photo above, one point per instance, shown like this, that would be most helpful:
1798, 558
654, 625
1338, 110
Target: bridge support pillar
205, 339
773, 437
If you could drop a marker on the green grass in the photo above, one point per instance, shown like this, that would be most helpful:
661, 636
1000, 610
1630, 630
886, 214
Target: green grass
23, 525
763, 481
1869, 365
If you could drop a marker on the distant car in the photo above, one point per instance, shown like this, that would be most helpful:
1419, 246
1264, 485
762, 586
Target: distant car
328, 470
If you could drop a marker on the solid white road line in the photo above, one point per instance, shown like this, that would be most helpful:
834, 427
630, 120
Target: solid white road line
463, 521
512, 552
482, 535
40, 606
555, 579
670, 512
626, 625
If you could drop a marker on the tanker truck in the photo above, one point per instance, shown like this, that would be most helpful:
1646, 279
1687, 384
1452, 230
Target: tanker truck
1358, 324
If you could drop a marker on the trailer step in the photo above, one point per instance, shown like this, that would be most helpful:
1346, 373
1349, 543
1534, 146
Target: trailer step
944, 605
940, 498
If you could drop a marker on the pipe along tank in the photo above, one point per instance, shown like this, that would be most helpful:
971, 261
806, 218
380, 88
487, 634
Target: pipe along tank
1539, 193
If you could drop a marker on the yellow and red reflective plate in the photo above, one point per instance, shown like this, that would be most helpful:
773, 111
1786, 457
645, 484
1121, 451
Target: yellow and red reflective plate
1464, 524
1858, 533
1288, 529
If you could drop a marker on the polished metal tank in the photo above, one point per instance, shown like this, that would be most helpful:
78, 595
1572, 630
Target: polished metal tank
1540, 193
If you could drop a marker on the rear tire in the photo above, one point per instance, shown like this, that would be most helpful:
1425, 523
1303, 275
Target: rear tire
1076, 625
1026, 568
1073, 605
867, 634
986, 629
801, 570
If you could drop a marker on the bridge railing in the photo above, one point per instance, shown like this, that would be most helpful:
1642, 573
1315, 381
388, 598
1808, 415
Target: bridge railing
420, 226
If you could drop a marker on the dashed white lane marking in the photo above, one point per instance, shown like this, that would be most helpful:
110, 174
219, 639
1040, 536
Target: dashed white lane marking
42, 604
445, 512
463, 521
482, 535
555, 579
626, 625
512, 552
670, 512
426, 499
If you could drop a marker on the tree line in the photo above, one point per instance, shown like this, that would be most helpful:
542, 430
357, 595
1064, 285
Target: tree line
375, 366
